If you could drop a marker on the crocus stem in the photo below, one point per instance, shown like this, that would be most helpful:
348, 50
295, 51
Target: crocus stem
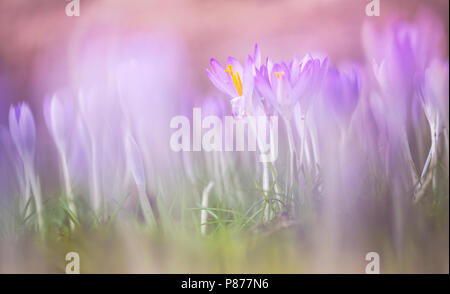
432, 152
204, 212
276, 187
223, 170
27, 194
302, 139
435, 135
94, 178
408, 156
272, 165
36, 190
145, 206
68, 187
427, 162
446, 139
343, 139
265, 187
431, 160
265, 174
308, 152
291, 157
217, 171
315, 151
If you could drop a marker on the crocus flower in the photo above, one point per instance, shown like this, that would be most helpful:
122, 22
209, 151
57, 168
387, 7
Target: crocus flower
286, 84
236, 80
393, 66
396, 55
331, 113
239, 82
58, 119
23, 133
340, 95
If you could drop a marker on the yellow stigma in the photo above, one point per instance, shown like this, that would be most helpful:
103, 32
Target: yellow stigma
279, 74
236, 79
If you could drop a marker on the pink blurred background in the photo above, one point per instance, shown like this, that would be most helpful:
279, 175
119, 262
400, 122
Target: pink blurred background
37, 38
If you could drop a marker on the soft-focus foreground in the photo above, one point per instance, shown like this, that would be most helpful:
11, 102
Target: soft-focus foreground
362, 159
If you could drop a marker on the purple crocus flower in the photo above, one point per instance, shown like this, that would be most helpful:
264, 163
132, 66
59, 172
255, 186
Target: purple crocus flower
236, 80
396, 55
285, 84
340, 95
23, 130
23, 134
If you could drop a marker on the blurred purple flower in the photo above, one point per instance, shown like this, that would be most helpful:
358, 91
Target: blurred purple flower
58, 117
23, 130
214, 106
341, 93
396, 55
23, 133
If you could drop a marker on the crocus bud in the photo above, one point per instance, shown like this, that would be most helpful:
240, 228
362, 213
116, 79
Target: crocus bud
23, 130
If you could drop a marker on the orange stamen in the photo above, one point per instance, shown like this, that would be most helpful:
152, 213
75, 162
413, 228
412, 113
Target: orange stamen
279, 74
236, 79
